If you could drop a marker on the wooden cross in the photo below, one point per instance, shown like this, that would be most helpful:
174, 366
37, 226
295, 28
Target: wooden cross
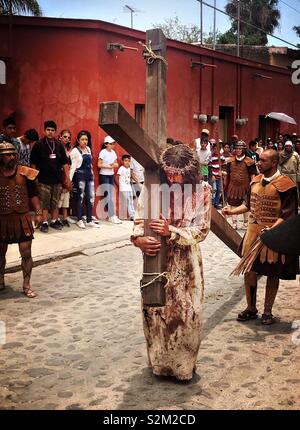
146, 146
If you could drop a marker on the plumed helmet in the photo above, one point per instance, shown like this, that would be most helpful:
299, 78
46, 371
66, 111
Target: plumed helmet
7, 148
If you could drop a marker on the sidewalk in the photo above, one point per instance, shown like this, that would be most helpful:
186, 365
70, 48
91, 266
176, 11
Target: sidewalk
70, 241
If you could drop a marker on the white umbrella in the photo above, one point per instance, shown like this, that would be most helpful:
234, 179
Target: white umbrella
281, 117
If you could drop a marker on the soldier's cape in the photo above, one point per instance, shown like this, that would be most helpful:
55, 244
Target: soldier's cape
285, 238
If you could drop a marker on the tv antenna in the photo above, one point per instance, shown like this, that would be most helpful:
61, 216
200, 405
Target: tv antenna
132, 11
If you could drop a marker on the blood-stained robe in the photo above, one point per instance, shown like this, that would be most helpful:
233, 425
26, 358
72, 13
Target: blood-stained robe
173, 331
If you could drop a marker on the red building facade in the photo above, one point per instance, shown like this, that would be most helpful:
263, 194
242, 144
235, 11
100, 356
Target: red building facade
61, 69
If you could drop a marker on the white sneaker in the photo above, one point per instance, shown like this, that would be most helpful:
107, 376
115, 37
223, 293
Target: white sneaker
92, 224
71, 220
84, 218
96, 220
80, 224
114, 219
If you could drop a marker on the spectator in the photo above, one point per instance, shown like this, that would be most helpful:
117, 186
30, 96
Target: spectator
203, 154
226, 154
270, 144
294, 139
280, 146
259, 148
215, 174
297, 146
9, 131
26, 143
125, 190
289, 162
49, 157
137, 176
64, 201
107, 162
251, 152
81, 173
234, 141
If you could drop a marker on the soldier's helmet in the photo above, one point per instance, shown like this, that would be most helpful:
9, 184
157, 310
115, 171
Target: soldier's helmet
241, 144
7, 148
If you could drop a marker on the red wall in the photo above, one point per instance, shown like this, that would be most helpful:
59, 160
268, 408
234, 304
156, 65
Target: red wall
60, 69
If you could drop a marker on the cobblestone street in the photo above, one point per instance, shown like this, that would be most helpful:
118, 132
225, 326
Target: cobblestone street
80, 343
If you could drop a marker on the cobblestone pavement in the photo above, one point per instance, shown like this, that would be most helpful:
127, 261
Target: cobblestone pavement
80, 344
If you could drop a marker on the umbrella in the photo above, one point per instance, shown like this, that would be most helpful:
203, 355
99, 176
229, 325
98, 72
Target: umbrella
281, 117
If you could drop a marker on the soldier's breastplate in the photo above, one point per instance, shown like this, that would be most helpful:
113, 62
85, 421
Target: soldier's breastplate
239, 174
265, 204
13, 195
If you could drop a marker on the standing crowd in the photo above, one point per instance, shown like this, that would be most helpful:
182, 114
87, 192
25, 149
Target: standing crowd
65, 179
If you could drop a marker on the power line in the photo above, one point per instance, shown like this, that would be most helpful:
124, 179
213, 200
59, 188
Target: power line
251, 25
292, 7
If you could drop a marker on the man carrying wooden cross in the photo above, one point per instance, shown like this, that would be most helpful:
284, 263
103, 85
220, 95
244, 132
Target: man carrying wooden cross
172, 313
173, 331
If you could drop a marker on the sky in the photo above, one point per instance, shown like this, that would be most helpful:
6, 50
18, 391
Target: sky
149, 12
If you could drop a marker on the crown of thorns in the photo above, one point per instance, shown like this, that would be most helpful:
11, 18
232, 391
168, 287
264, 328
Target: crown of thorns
187, 169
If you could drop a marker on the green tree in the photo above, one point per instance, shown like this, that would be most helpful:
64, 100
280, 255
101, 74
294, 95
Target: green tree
174, 29
260, 13
20, 7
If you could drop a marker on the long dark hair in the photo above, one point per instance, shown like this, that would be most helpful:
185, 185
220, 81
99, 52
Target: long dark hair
80, 134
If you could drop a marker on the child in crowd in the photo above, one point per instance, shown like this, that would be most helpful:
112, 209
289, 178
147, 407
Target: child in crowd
125, 190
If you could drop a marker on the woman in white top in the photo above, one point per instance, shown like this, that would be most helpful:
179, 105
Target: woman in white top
107, 162
81, 173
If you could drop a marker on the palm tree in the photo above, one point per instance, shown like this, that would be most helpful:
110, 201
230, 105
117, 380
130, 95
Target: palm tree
260, 13
20, 7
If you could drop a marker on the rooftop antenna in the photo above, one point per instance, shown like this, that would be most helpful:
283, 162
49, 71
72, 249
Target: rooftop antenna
132, 10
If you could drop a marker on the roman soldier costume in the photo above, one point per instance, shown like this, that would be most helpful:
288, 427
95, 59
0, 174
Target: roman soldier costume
239, 170
270, 199
15, 192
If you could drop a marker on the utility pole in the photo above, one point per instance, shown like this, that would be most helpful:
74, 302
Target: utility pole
238, 27
131, 13
215, 17
201, 22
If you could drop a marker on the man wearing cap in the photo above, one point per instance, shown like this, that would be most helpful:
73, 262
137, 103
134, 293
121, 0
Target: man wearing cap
289, 162
202, 147
18, 194
240, 170
107, 162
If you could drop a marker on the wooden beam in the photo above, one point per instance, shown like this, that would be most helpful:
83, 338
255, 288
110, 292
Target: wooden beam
120, 125
155, 126
223, 230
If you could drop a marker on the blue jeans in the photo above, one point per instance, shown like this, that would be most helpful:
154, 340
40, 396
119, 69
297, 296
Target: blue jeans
107, 181
85, 192
216, 185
